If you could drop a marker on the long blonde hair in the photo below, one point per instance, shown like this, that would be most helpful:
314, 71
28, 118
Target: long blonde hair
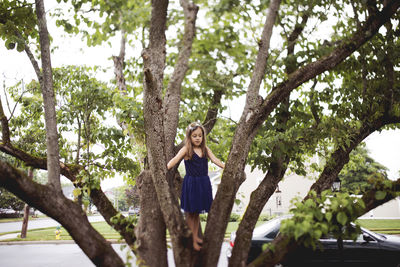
188, 142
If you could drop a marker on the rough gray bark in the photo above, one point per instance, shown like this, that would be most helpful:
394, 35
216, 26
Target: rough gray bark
150, 231
253, 117
25, 221
26, 212
277, 169
53, 155
154, 63
67, 213
233, 174
172, 97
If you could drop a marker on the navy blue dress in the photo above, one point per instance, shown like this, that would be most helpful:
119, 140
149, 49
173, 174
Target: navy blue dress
196, 189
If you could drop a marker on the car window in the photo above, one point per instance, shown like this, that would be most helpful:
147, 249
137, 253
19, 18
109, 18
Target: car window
267, 228
274, 232
327, 236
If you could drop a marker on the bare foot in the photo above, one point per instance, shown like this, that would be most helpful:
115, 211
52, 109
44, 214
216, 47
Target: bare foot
198, 240
196, 246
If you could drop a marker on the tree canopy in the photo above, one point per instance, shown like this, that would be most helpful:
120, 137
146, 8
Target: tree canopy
317, 77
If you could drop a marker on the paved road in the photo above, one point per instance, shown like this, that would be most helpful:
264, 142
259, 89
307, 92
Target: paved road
38, 223
58, 254
64, 255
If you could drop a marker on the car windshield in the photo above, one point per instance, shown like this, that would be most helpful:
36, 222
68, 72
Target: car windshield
375, 235
267, 227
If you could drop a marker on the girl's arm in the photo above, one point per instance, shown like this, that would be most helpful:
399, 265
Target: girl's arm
214, 159
178, 157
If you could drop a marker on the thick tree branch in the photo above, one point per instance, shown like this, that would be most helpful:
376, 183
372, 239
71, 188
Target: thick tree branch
5, 130
53, 154
101, 201
151, 227
173, 94
154, 63
34, 63
262, 56
233, 174
277, 169
212, 112
346, 48
49, 201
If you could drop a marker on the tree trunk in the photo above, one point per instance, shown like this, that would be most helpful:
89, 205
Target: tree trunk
25, 221
26, 210
254, 115
150, 231
233, 174
53, 155
277, 169
258, 199
154, 63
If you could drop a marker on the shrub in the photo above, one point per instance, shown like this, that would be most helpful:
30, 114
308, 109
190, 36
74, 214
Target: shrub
234, 217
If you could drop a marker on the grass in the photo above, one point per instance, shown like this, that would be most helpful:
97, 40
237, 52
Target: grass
48, 234
381, 226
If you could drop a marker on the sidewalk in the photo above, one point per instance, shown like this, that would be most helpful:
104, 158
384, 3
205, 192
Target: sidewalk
8, 236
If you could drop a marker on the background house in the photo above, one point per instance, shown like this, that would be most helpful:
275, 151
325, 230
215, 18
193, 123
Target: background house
291, 186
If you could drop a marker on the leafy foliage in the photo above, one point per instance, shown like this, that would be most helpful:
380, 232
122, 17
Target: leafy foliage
10, 201
17, 23
323, 215
87, 136
355, 174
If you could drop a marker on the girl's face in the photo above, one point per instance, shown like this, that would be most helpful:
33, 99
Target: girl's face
197, 137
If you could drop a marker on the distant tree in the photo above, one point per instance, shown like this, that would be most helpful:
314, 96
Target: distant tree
10, 201
355, 174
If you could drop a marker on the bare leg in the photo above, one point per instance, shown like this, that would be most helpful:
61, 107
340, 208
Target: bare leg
191, 221
196, 229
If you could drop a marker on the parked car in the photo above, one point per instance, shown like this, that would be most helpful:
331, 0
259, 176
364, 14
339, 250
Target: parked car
133, 211
7, 211
370, 249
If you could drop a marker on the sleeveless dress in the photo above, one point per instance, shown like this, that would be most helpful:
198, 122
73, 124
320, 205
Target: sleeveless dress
196, 194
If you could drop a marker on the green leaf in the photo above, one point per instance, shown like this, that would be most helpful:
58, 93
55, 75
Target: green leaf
328, 216
379, 195
76, 192
341, 218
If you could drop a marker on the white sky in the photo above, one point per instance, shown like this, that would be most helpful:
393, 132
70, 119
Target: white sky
384, 147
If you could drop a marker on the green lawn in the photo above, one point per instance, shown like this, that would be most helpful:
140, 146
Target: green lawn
46, 234
381, 226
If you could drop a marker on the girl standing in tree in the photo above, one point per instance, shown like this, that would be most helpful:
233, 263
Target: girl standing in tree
196, 194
